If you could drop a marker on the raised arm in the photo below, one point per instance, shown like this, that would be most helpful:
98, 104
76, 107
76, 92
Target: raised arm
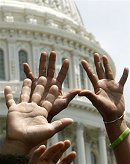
109, 100
27, 124
48, 71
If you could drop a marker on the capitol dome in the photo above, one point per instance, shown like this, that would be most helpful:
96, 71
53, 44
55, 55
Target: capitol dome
64, 10
53, 23
28, 27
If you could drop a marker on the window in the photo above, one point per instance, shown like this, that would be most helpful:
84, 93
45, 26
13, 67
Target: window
2, 65
23, 58
82, 77
66, 81
93, 158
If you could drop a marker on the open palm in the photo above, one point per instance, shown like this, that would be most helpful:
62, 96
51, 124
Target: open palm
27, 121
108, 97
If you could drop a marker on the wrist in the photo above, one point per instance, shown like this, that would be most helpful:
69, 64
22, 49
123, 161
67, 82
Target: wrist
14, 148
115, 129
120, 139
114, 120
111, 117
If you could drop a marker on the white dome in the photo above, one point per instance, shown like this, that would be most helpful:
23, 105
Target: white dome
37, 25
64, 8
51, 24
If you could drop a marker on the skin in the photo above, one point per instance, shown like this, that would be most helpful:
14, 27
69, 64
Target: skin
109, 100
61, 101
27, 124
53, 154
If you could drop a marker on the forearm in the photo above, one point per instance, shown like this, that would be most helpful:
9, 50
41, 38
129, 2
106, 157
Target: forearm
121, 151
12, 152
14, 148
17, 149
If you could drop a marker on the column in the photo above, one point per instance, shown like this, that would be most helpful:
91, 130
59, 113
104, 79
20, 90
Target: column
88, 153
35, 58
76, 78
102, 147
80, 144
58, 59
13, 64
68, 151
54, 139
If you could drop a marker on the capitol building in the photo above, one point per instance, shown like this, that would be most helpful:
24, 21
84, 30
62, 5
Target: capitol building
29, 27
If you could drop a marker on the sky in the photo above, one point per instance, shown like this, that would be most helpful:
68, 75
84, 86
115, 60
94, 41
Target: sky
109, 21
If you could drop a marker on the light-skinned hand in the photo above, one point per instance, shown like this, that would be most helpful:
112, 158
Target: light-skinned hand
53, 154
27, 124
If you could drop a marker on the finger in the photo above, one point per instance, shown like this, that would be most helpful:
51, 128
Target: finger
51, 65
63, 72
50, 129
28, 71
42, 64
124, 77
9, 96
96, 100
92, 97
99, 67
59, 125
50, 98
36, 155
59, 153
64, 101
69, 158
39, 90
70, 95
26, 90
108, 70
50, 153
93, 78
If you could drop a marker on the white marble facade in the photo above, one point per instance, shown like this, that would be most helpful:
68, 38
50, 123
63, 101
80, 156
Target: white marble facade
29, 27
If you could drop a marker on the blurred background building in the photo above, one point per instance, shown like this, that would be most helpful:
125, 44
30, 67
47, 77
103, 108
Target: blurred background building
28, 27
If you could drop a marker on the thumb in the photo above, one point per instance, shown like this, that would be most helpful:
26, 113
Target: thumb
90, 95
63, 103
71, 94
124, 77
59, 125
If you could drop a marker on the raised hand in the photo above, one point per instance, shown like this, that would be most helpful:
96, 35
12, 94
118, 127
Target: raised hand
53, 154
27, 124
108, 97
61, 101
